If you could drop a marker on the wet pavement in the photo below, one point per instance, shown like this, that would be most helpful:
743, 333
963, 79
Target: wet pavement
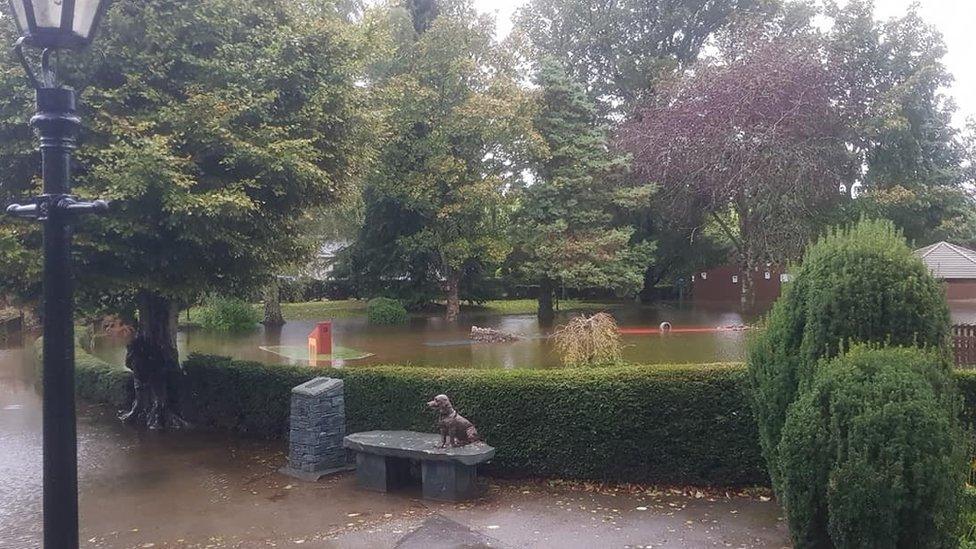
198, 490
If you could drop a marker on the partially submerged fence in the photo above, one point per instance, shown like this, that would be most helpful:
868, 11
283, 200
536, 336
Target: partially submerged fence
964, 344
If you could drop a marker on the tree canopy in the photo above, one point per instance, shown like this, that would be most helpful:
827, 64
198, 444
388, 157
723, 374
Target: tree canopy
457, 127
565, 228
756, 142
212, 127
620, 49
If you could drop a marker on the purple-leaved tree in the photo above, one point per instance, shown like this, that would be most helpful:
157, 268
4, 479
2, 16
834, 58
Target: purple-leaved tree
756, 140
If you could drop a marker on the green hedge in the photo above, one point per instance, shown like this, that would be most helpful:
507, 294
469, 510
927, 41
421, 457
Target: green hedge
95, 379
686, 424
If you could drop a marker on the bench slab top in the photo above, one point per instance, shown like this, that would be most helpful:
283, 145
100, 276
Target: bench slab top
414, 445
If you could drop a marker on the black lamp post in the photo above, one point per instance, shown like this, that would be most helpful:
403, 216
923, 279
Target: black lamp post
50, 25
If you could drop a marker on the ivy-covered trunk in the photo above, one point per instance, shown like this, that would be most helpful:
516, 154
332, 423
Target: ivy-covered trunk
546, 311
154, 361
272, 305
453, 295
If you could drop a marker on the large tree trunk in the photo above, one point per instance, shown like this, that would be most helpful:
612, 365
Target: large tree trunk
453, 295
154, 361
747, 259
748, 288
272, 305
546, 312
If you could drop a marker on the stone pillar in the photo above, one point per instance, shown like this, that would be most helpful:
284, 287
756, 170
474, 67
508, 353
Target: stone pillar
318, 424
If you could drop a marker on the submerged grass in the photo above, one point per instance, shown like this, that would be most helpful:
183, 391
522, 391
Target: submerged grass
527, 306
351, 308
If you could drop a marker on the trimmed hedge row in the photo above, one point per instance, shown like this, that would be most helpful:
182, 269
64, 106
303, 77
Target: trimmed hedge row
683, 424
95, 379
686, 424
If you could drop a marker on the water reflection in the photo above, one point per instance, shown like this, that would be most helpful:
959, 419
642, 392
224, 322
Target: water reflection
428, 340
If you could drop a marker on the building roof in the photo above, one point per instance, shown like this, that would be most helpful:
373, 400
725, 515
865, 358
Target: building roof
948, 260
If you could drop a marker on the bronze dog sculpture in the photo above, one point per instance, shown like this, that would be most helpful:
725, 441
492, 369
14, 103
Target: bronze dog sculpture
454, 428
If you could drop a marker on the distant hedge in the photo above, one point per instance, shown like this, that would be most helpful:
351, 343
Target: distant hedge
685, 424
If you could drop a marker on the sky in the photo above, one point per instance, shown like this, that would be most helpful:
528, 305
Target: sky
955, 19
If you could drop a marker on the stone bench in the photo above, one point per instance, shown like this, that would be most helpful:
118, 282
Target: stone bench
448, 474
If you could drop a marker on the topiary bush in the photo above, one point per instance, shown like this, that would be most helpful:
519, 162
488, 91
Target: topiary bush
228, 315
383, 310
873, 453
857, 284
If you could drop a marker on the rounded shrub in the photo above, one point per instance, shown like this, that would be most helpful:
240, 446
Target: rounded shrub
858, 284
873, 453
228, 315
383, 310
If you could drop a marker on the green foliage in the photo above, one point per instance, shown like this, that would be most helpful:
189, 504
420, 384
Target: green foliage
567, 228
589, 341
693, 425
620, 50
383, 310
456, 128
873, 454
902, 121
96, 380
926, 214
967, 539
224, 314
687, 424
525, 306
858, 284
212, 126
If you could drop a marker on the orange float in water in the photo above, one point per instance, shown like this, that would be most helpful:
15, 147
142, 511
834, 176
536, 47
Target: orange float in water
667, 329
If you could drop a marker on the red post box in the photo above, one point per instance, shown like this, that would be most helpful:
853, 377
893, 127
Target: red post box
320, 341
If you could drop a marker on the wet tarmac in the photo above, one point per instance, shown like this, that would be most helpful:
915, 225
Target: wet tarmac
200, 490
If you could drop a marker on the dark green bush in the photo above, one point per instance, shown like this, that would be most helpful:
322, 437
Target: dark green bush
383, 310
859, 284
222, 314
95, 379
672, 446
687, 424
967, 537
873, 453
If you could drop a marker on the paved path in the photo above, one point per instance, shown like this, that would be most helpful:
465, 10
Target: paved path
536, 515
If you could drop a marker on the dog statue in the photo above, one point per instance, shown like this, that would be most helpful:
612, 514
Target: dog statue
455, 430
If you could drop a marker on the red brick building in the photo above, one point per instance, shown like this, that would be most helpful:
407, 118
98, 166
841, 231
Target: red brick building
724, 283
954, 265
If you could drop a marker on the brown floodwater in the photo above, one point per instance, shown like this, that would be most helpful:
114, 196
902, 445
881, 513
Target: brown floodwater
429, 341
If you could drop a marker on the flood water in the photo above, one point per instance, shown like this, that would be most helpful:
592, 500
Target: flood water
429, 341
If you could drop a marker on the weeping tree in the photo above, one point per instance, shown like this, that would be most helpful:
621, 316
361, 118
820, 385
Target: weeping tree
756, 141
212, 127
